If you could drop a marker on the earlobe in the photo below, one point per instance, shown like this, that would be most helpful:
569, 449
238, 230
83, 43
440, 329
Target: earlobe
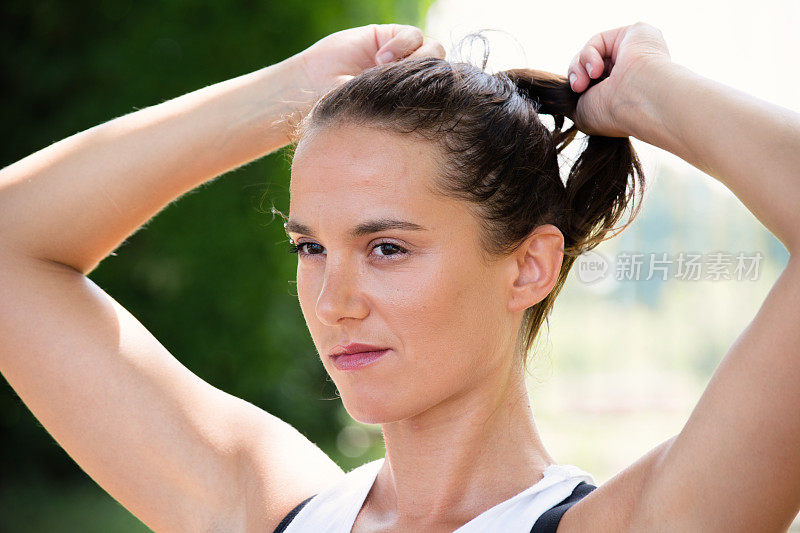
536, 266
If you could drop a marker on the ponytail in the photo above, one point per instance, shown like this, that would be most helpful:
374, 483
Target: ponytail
603, 179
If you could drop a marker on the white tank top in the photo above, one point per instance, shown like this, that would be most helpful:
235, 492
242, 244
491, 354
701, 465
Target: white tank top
334, 509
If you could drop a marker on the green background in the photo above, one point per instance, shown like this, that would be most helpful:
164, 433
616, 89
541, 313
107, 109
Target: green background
208, 276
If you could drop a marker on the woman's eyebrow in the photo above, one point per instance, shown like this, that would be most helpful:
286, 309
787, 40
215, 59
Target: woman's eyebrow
363, 228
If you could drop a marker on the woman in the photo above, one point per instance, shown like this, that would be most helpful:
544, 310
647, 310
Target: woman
401, 252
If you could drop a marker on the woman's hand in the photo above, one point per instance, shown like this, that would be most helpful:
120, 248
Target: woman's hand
615, 57
344, 54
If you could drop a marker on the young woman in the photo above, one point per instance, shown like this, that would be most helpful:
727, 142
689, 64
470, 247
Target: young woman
434, 233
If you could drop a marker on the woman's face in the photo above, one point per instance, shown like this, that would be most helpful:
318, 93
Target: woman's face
423, 291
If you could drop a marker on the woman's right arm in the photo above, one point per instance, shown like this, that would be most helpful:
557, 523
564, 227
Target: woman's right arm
75, 201
175, 451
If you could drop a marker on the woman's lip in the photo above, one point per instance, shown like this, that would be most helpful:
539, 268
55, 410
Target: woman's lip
354, 361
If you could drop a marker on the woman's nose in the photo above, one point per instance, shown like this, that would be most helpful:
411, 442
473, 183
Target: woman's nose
340, 296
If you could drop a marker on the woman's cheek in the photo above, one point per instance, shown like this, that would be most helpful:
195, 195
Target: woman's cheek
429, 299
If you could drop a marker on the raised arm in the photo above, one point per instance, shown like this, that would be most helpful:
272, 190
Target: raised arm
735, 466
75, 201
750, 145
177, 452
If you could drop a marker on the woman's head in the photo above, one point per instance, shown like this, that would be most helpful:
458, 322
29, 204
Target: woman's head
464, 155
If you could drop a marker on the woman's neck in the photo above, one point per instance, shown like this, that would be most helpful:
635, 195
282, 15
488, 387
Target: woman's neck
460, 457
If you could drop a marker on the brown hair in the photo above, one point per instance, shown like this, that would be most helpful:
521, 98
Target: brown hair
498, 155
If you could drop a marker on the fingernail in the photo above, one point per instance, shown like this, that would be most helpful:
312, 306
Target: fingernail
572, 78
589, 68
385, 57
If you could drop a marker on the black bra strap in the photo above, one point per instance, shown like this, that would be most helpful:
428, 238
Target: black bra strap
289, 517
548, 522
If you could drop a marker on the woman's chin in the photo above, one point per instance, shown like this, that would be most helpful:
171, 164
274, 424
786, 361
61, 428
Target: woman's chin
368, 410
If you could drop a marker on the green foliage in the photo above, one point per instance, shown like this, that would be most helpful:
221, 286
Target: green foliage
208, 276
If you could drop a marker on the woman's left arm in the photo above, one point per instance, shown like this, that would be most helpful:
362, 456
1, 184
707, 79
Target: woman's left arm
735, 466
750, 145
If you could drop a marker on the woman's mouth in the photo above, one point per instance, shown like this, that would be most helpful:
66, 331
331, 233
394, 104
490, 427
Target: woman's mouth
354, 361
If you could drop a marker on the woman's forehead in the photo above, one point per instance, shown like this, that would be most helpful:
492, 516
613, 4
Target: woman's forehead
364, 170
361, 157
353, 181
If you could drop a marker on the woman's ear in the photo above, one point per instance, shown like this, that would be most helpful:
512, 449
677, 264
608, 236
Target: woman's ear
535, 267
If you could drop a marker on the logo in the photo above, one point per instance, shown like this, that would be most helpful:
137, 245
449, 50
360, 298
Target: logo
591, 267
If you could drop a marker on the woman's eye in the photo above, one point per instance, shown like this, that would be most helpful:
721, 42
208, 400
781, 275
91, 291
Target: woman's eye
311, 248
299, 248
393, 249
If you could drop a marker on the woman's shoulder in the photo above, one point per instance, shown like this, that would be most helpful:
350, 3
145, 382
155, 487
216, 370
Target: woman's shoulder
611, 505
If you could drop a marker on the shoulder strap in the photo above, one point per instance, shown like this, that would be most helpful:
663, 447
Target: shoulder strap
548, 522
289, 517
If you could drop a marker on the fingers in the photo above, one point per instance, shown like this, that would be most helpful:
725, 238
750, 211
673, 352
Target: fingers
430, 48
591, 61
399, 41
396, 41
